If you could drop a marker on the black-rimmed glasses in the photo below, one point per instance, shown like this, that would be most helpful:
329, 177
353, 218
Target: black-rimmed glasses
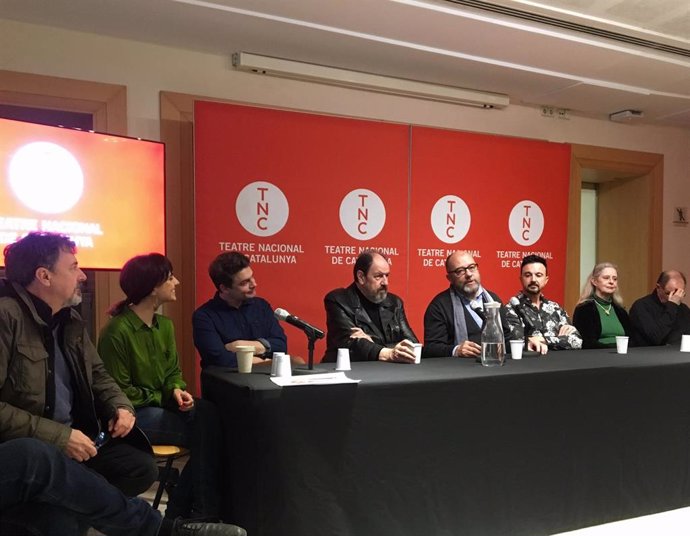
462, 270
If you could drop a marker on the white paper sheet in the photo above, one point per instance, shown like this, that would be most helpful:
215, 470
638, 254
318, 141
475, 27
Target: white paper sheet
328, 378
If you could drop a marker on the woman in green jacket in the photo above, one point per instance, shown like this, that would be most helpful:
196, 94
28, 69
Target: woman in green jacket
138, 348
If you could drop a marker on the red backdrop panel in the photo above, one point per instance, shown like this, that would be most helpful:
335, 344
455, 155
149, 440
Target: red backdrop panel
464, 188
301, 194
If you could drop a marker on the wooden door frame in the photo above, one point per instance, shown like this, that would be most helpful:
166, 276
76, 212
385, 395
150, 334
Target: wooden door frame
107, 103
627, 163
177, 126
177, 132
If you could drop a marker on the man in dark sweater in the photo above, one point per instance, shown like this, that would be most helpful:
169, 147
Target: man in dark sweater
660, 317
235, 316
453, 320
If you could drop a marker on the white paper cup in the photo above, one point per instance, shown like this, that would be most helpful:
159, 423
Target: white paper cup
417, 353
274, 363
622, 345
516, 349
685, 343
284, 367
343, 361
245, 358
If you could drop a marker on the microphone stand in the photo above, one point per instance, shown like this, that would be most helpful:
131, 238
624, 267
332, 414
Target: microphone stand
312, 338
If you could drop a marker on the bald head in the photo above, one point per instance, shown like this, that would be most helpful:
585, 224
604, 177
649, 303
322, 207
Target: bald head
671, 286
462, 271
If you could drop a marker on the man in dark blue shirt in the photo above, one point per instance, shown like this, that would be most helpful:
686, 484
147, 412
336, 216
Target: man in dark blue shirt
235, 316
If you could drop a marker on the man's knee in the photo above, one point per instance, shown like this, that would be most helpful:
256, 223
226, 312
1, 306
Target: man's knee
141, 476
28, 447
32, 454
125, 466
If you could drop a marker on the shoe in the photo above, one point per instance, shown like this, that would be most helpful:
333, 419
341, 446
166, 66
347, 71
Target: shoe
193, 527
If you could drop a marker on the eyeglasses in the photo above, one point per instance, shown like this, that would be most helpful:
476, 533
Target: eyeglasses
464, 269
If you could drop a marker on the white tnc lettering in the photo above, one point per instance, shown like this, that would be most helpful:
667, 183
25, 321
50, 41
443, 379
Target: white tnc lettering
362, 214
262, 208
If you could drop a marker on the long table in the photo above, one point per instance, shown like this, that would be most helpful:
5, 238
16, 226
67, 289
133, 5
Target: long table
449, 448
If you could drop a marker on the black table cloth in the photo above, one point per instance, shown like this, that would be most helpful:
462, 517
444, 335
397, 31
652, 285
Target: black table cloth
448, 447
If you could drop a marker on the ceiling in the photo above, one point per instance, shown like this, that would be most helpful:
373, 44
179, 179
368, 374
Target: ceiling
462, 43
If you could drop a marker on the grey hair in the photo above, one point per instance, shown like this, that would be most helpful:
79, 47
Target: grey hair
588, 289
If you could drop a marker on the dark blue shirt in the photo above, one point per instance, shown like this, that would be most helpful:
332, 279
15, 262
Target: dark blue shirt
216, 323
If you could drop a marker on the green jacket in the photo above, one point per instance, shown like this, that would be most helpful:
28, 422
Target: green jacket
142, 359
26, 374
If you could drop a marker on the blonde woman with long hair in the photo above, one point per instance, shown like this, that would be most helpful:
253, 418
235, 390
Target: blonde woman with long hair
599, 315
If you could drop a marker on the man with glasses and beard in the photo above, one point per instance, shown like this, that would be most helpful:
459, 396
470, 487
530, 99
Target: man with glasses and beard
366, 318
454, 319
541, 322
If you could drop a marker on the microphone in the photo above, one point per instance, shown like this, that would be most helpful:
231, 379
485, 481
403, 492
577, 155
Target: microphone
311, 331
479, 309
521, 312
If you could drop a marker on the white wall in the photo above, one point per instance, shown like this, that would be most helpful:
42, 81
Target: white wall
148, 69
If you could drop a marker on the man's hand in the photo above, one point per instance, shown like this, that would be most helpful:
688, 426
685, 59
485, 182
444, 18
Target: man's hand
537, 344
677, 296
403, 352
468, 349
121, 424
358, 333
259, 349
566, 329
185, 401
80, 447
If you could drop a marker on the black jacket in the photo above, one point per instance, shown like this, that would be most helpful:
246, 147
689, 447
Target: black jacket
655, 323
344, 311
586, 320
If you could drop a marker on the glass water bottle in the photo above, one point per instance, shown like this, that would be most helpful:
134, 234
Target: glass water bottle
493, 343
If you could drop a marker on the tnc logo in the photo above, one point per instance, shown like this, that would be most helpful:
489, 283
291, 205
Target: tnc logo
262, 208
362, 214
450, 219
526, 222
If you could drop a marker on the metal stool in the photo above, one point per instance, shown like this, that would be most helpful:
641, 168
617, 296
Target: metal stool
167, 454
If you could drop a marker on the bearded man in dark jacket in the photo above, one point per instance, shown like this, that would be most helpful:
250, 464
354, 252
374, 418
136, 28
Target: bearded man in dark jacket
53, 385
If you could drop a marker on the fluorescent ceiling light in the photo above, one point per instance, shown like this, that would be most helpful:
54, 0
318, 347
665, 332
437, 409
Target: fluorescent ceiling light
245, 61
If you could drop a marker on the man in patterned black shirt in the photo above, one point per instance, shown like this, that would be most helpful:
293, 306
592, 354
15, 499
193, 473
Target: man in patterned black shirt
542, 322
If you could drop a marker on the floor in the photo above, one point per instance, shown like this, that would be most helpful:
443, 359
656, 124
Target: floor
671, 523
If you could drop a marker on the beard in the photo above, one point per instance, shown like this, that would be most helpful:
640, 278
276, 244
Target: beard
533, 289
469, 290
75, 299
375, 296
380, 295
